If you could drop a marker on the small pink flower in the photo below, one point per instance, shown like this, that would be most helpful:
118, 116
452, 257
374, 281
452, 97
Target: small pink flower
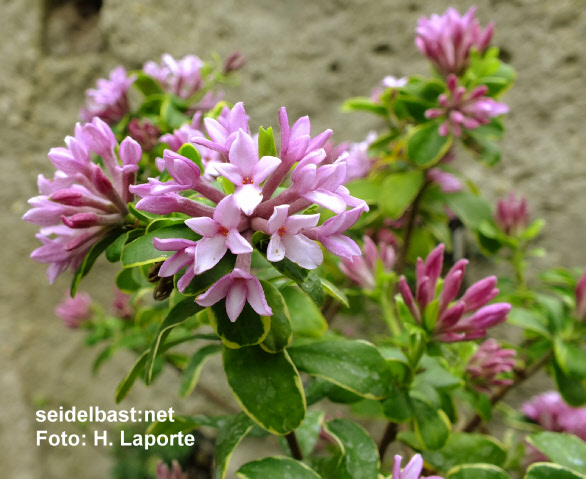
512, 216
237, 287
362, 269
163, 471
464, 109
411, 471
144, 132
488, 364
74, 311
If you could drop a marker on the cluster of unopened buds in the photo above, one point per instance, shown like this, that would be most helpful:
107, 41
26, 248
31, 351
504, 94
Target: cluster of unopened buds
512, 215
464, 319
252, 207
362, 270
486, 368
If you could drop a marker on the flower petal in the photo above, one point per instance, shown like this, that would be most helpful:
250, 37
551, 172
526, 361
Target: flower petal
235, 299
208, 252
278, 218
248, 197
264, 168
206, 227
216, 292
303, 251
243, 153
327, 199
174, 264
297, 223
227, 212
231, 172
256, 297
237, 243
276, 249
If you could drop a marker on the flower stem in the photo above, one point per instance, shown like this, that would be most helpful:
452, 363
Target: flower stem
388, 310
294, 446
388, 438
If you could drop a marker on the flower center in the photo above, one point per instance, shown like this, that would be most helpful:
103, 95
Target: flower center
223, 231
282, 231
247, 181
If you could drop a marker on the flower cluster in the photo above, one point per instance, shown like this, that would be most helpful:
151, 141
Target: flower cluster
446, 40
109, 101
74, 311
465, 109
488, 364
552, 413
252, 207
163, 471
362, 269
180, 77
411, 471
82, 203
512, 216
467, 318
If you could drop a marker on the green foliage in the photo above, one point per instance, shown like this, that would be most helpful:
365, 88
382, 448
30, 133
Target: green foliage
563, 449
281, 467
398, 191
425, 145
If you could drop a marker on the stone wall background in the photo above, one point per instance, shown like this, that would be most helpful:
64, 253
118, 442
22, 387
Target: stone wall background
304, 54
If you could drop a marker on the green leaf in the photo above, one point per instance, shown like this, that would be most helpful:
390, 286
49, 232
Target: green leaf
203, 281
229, 436
398, 192
570, 358
365, 189
472, 210
353, 365
572, 389
543, 470
432, 426
91, 256
364, 104
478, 471
172, 115
308, 433
425, 146
563, 449
141, 251
267, 387
276, 467
527, 319
360, 456
249, 329
142, 216
186, 424
178, 314
334, 292
128, 380
306, 318
130, 280
464, 448
397, 407
146, 84
280, 333
227, 185
266, 143
114, 251
193, 369
189, 151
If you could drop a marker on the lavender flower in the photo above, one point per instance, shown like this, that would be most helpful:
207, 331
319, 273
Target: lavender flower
488, 364
552, 413
74, 311
163, 471
82, 203
411, 471
253, 206
362, 269
180, 77
144, 132
447, 182
512, 216
121, 307
109, 100
464, 109
446, 40
465, 319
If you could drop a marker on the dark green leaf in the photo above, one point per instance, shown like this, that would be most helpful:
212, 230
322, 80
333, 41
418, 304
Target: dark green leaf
364, 104
280, 332
114, 251
334, 292
425, 146
478, 471
146, 84
193, 369
353, 365
432, 426
249, 329
189, 151
306, 318
266, 143
563, 449
551, 471
570, 357
267, 387
203, 281
186, 424
398, 192
229, 436
276, 467
365, 189
572, 389
128, 380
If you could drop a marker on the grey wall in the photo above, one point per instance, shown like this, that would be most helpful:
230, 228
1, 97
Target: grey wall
304, 54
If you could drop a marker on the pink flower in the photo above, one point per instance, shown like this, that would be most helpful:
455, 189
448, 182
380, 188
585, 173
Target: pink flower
144, 132
219, 235
446, 40
447, 182
238, 287
163, 471
462, 320
512, 216
412, 469
488, 364
74, 311
362, 269
184, 256
463, 109
287, 238
246, 171
109, 100
581, 298
181, 77
121, 307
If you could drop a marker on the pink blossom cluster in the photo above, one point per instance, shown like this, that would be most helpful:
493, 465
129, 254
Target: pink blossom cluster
180, 77
74, 311
446, 40
486, 367
83, 202
464, 319
255, 205
363, 269
411, 471
552, 413
512, 215
163, 471
109, 101
465, 109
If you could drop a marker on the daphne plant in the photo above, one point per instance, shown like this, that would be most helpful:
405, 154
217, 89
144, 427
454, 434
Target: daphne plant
280, 251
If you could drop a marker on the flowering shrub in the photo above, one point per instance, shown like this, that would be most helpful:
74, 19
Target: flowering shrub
231, 242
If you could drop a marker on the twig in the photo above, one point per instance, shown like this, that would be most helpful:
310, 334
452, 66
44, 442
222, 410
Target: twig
294, 446
388, 438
